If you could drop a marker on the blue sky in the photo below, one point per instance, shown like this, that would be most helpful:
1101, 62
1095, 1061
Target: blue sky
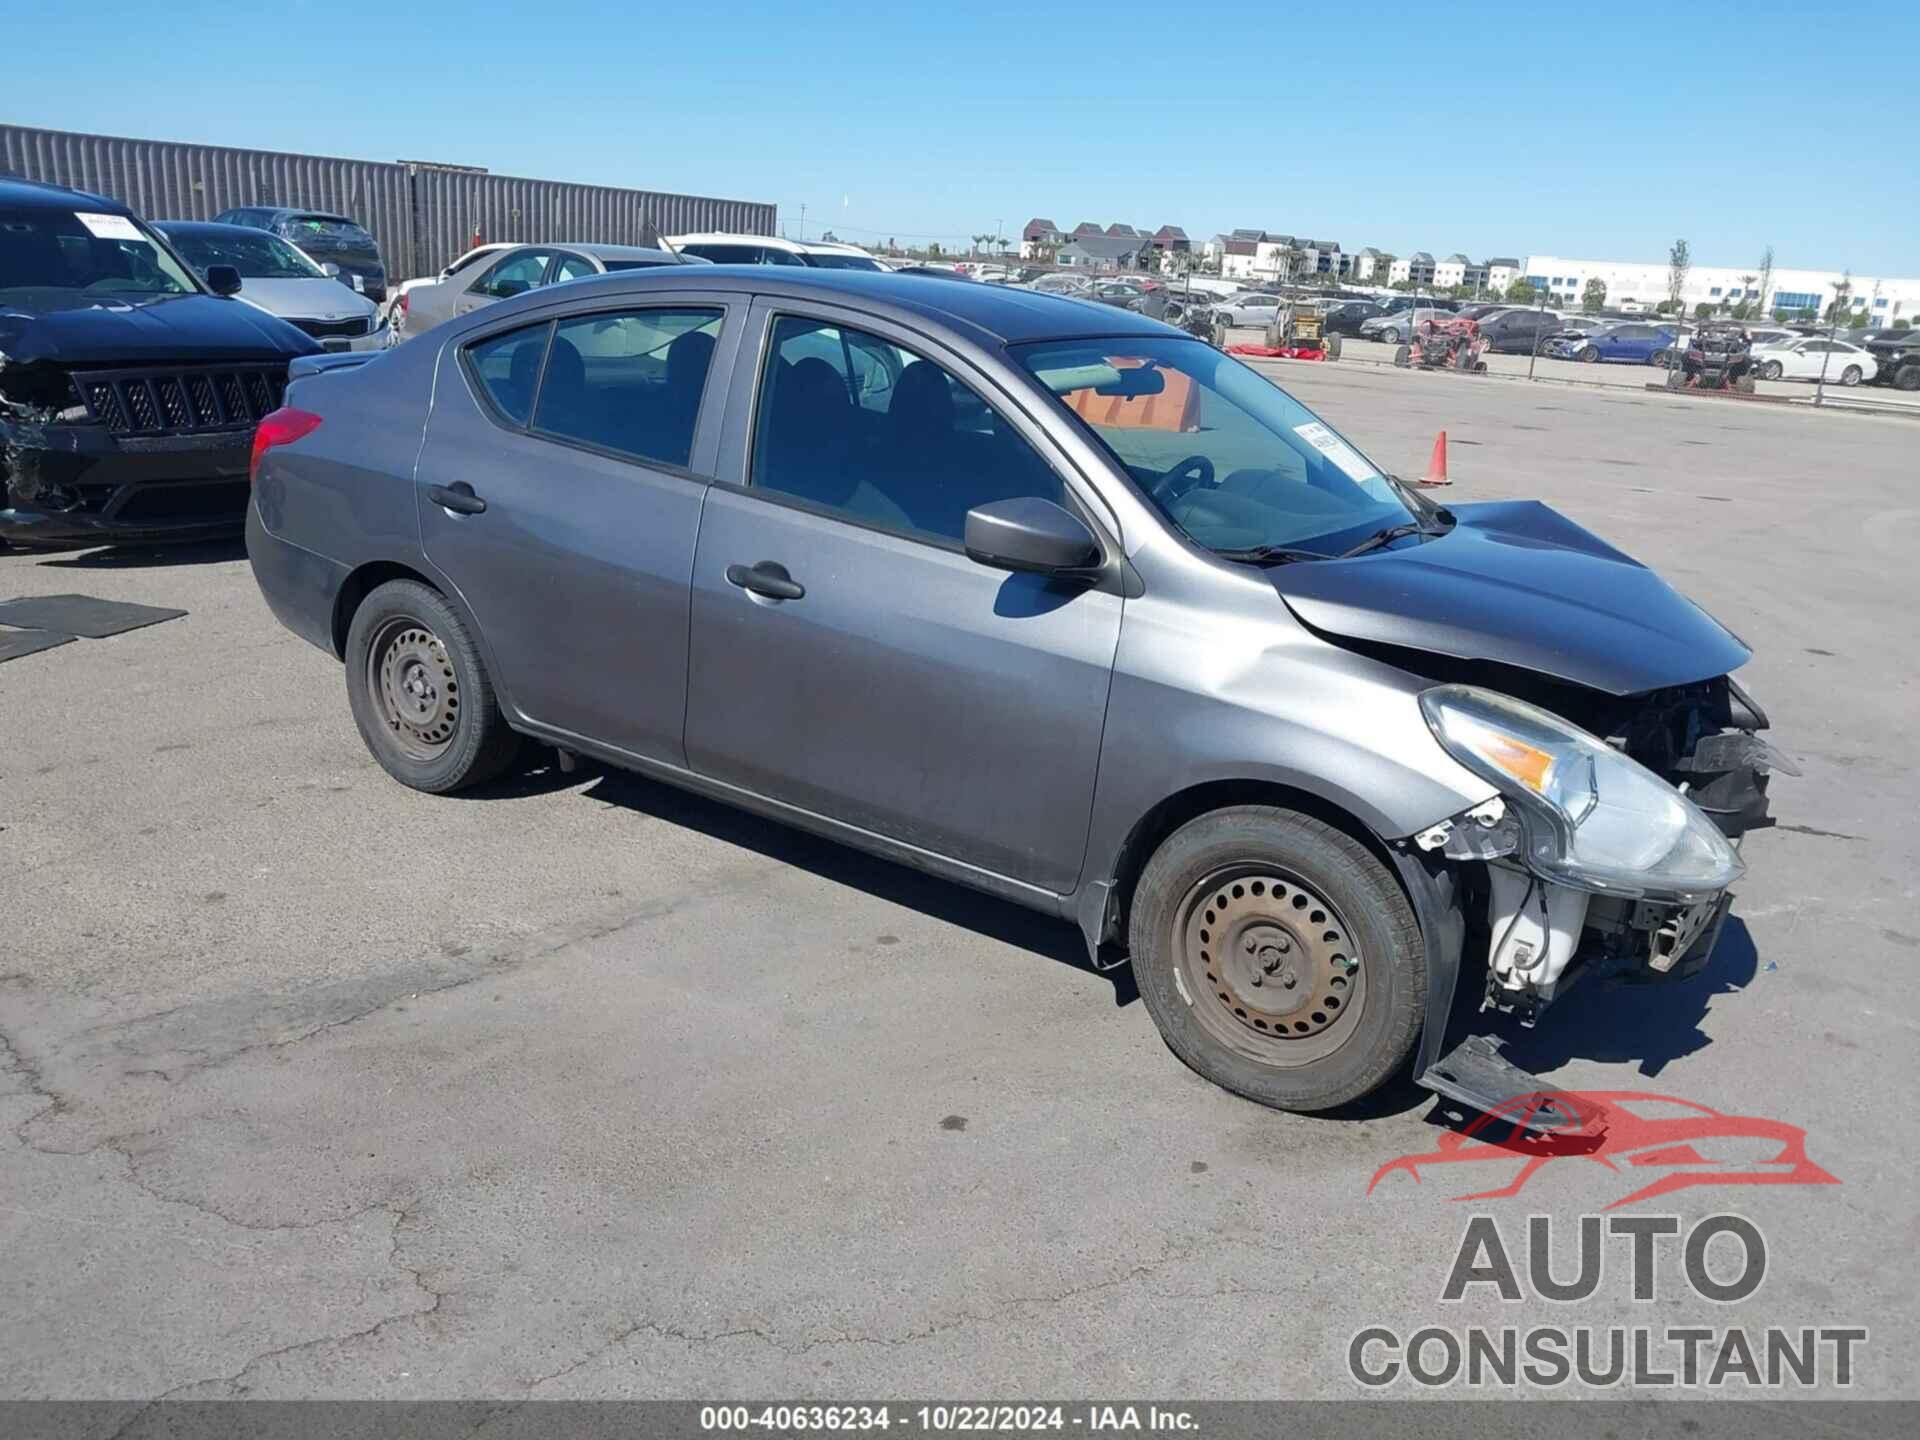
1599, 131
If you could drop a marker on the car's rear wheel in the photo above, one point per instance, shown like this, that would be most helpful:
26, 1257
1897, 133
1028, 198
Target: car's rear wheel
1279, 957
1907, 377
420, 691
1851, 375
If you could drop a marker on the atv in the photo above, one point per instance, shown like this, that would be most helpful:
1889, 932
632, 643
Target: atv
1718, 357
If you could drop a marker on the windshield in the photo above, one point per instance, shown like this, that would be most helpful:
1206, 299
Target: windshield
840, 262
1228, 457
86, 256
254, 253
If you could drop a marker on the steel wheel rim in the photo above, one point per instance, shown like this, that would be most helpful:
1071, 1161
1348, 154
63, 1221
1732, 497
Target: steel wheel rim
1260, 921
414, 688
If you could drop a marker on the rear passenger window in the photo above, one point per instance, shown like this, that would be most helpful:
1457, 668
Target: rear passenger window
858, 424
630, 381
508, 368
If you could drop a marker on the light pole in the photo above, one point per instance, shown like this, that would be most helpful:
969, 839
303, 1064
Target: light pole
1533, 356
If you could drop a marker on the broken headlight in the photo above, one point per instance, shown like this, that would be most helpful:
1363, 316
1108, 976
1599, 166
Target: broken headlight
1595, 819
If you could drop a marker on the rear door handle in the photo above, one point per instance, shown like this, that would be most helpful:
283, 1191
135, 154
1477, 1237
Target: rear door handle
458, 497
768, 578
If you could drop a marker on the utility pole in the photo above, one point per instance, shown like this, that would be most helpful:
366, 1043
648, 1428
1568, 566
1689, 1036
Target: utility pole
1539, 332
803, 224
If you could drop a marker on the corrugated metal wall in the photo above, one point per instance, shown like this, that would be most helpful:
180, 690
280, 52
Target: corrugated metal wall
420, 216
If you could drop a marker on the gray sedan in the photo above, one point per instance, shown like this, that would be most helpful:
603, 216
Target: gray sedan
517, 271
1046, 598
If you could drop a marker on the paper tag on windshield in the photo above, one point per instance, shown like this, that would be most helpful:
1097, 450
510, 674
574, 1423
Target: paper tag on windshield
109, 227
359, 284
1336, 450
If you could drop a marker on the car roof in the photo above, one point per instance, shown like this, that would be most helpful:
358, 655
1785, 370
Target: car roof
992, 313
305, 212
733, 237
610, 252
22, 194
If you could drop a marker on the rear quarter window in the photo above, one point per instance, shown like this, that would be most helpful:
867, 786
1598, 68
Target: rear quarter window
507, 369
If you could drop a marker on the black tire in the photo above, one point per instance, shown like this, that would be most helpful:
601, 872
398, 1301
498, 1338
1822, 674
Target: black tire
1589, 355
1851, 375
1907, 377
1772, 370
1332, 346
462, 738
1744, 385
1403, 356
1353, 904
1662, 359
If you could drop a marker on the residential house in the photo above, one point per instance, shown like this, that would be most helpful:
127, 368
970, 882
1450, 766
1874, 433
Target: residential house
1171, 238
1416, 269
1262, 255
1370, 266
1039, 239
1321, 257
1502, 271
1451, 271
1106, 252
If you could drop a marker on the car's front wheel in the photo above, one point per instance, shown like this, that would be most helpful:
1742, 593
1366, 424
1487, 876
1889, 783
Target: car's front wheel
420, 692
1851, 375
1279, 957
1772, 370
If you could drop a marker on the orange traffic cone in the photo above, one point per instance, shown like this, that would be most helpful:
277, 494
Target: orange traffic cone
1437, 466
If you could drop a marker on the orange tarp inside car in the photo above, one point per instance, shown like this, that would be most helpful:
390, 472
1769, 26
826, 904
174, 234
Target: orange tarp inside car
1177, 407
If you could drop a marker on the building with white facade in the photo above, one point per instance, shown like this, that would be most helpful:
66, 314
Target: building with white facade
1416, 269
1502, 272
1876, 301
1370, 266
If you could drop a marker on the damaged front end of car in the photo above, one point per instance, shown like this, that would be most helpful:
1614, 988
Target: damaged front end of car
1607, 854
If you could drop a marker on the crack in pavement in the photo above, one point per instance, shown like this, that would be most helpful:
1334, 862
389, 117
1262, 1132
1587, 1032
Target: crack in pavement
548, 943
1173, 1256
234, 1384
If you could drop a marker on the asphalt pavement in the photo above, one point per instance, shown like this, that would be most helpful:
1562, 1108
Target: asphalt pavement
315, 1086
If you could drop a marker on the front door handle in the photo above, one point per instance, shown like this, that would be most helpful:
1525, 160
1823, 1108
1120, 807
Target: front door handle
459, 498
768, 578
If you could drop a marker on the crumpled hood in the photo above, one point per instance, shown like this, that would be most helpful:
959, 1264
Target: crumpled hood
1518, 583
176, 328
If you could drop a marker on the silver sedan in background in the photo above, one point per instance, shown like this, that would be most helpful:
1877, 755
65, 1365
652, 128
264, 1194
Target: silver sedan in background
517, 270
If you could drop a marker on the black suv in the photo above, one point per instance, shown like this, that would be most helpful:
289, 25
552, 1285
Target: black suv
129, 390
1897, 353
340, 246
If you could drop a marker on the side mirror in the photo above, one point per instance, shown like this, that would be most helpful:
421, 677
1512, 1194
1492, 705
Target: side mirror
329, 269
223, 279
1029, 534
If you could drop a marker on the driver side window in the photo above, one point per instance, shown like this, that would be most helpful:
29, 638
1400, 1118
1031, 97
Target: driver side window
856, 424
515, 274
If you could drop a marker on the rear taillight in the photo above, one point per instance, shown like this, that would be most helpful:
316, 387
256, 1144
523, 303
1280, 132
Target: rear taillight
279, 427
